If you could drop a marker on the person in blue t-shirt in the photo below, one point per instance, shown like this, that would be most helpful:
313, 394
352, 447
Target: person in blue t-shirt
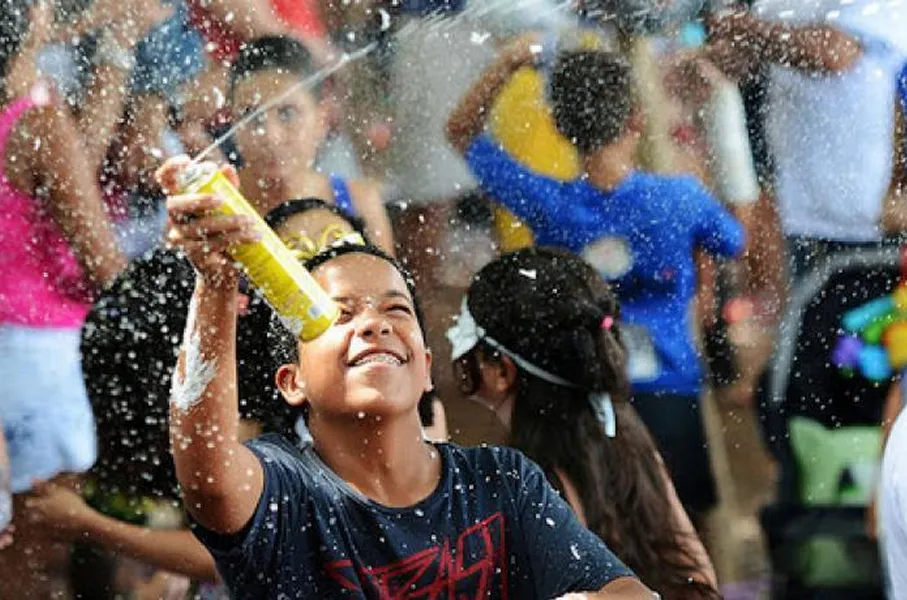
369, 509
639, 230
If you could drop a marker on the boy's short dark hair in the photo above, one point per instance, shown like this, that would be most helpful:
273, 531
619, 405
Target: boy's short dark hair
275, 52
591, 97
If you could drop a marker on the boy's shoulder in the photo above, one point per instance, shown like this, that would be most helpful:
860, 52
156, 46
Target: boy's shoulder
276, 449
478, 465
500, 462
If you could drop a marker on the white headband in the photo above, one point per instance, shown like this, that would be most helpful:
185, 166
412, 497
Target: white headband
466, 334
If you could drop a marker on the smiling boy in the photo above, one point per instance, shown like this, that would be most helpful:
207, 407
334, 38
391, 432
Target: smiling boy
370, 509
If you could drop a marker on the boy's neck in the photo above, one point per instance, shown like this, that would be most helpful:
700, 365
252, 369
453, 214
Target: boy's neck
387, 461
608, 167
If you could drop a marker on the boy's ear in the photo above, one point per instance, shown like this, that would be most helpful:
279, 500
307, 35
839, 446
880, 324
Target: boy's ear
429, 384
289, 384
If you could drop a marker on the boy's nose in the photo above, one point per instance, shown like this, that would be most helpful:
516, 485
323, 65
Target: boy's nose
373, 323
273, 132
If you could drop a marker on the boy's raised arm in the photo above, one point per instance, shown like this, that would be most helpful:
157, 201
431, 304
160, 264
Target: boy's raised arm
468, 118
221, 479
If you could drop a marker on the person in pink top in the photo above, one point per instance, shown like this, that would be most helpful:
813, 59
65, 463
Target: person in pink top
57, 248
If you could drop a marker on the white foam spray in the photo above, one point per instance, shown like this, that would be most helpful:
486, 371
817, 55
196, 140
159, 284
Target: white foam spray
188, 390
476, 10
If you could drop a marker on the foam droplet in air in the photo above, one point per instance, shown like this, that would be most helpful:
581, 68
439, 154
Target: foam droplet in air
385, 19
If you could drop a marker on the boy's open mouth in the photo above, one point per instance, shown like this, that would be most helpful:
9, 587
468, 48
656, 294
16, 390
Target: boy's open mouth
377, 356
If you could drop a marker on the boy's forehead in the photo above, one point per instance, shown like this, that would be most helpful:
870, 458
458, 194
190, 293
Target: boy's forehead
361, 276
261, 86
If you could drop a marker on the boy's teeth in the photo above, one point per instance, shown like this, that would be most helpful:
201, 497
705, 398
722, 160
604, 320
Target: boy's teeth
382, 358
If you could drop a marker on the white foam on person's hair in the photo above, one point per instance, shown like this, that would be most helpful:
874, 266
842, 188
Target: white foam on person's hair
386, 21
188, 389
529, 273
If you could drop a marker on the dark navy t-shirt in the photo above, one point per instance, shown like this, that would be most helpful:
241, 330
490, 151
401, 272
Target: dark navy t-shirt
640, 237
494, 528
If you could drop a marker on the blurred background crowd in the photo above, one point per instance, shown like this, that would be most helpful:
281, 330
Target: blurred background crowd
760, 284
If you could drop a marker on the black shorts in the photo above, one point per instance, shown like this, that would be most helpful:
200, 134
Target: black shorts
675, 423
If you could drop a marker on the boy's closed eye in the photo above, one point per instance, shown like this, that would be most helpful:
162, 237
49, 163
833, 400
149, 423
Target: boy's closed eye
394, 303
400, 308
346, 314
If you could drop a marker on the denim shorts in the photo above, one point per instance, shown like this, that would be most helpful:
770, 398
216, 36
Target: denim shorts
47, 420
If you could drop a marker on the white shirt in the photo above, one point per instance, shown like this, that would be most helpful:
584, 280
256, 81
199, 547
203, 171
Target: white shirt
893, 505
832, 135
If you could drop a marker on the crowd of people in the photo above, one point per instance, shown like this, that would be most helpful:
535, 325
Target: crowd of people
572, 225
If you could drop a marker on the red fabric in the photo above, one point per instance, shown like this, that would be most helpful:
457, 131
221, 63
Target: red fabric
223, 44
302, 16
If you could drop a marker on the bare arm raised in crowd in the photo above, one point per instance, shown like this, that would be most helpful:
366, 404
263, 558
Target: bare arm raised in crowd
22, 69
221, 479
741, 41
100, 113
250, 19
468, 118
45, 157
66, 516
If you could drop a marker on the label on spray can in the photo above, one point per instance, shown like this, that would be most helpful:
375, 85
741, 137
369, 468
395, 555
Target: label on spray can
302, 305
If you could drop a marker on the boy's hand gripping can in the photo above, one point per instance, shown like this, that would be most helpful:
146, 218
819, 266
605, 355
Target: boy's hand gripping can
302, 305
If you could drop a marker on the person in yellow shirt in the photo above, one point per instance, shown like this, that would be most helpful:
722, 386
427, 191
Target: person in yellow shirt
521, 121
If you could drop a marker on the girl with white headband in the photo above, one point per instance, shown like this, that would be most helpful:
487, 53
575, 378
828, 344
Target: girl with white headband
538, 342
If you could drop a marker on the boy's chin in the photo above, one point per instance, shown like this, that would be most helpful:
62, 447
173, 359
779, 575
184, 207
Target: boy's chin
378, 403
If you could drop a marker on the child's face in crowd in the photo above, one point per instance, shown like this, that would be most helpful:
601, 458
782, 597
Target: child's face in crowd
373, 360
284, 139
496, 386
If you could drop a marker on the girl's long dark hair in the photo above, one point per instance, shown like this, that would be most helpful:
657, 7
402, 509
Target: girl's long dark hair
549, 307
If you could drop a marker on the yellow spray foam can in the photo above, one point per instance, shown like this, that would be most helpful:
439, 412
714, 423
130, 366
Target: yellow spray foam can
302, 305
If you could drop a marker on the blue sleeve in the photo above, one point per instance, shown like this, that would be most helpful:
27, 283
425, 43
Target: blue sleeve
242, 557
534, 198
714, 228
564, 556
902, 89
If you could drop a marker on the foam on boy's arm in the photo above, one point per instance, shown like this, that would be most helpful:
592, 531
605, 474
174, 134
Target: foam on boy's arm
221, 480
197, 373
